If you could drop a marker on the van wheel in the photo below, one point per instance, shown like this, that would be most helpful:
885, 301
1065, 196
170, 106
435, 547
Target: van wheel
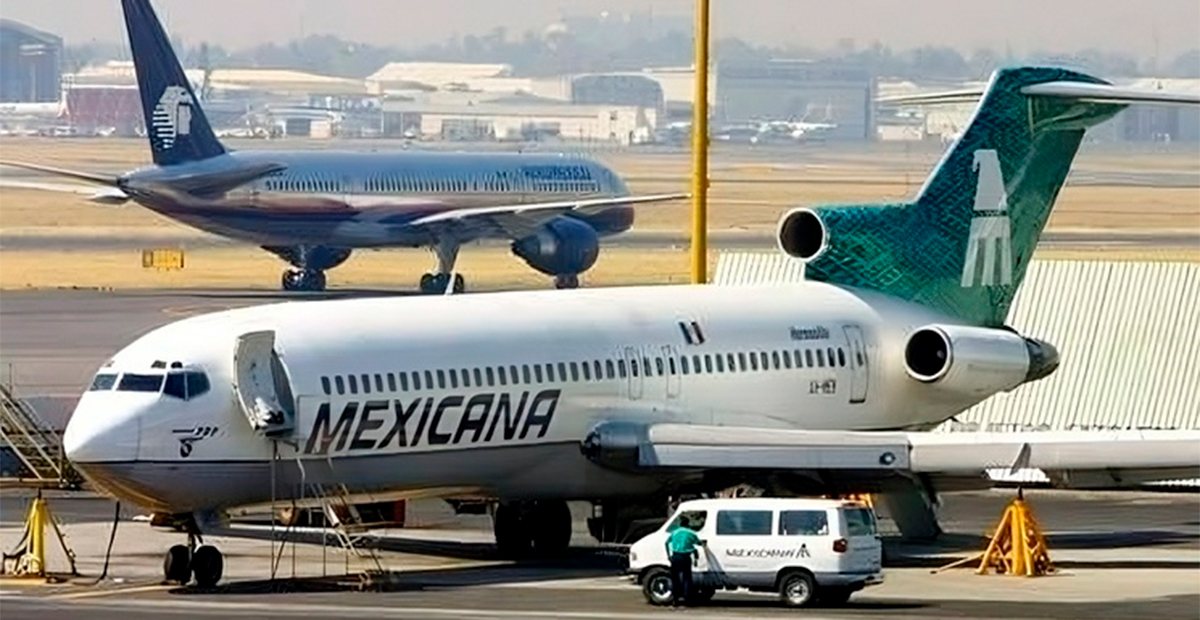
657, 586
797, 589
835, 596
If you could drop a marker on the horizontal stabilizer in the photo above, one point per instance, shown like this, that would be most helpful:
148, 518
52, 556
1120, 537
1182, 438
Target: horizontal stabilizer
91, 177
1080, 91
1104, 93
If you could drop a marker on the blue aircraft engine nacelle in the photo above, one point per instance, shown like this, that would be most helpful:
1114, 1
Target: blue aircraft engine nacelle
564, 246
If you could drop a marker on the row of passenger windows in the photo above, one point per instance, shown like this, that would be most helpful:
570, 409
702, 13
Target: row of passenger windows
408, 184
595, 370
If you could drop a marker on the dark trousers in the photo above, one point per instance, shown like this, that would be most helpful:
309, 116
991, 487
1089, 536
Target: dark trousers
681, 577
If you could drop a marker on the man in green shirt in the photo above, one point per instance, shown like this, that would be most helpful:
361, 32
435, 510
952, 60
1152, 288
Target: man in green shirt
681, 549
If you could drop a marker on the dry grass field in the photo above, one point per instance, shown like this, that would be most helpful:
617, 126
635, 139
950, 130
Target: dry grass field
745, 194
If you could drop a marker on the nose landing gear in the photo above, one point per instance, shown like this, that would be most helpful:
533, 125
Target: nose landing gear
569, 280
435, 283
183, 562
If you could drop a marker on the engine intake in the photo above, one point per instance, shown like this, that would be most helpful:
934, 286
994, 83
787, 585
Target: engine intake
976, 360
802, 234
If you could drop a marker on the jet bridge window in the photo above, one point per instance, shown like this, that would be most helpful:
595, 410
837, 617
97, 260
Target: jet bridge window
186, 385
131, 382
103, 382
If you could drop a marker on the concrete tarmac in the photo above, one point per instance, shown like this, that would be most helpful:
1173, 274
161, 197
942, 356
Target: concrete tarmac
1119, 555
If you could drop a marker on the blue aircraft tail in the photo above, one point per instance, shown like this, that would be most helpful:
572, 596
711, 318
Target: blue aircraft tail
175, 124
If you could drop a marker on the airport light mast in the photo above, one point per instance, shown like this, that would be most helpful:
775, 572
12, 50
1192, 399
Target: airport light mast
700, 149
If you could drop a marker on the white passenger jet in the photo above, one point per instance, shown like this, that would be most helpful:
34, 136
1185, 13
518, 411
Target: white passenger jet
628, 396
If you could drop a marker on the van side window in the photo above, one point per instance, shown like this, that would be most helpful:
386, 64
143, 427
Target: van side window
744, 523
859, 522
803, 523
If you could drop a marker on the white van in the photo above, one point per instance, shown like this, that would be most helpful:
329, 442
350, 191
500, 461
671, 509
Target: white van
804, 549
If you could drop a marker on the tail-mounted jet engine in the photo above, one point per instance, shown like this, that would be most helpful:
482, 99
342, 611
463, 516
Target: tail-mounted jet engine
976, 360
802, 234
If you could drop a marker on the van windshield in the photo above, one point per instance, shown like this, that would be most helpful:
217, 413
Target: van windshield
859, 522
694, 518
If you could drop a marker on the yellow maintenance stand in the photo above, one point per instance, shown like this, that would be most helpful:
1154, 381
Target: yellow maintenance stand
29, 558
1017, 548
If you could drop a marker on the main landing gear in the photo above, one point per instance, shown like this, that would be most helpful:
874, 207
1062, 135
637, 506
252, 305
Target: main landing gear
303, 280
183, 562
569, 280
436, 283
532, 528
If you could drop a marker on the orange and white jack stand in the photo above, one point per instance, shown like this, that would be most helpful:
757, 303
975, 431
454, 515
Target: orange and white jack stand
1017, 548
30, 554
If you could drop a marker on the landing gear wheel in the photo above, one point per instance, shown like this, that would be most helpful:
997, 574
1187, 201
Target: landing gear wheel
427, 285
550, 523
797, 589
303, 280
207, 565
657, 587
570, 280
177, 564
512, 537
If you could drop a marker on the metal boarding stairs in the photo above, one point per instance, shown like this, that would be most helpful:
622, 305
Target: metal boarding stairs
34, 443
349, 528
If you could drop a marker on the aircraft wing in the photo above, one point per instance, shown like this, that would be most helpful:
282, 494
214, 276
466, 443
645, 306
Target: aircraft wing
1104, 456
519, 220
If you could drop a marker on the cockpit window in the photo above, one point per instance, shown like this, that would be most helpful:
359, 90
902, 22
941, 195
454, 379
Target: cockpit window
103, 382
140, 383
186, 385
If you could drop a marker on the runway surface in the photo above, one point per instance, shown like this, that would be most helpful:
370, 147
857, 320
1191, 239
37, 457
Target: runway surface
1120, 555
639, 239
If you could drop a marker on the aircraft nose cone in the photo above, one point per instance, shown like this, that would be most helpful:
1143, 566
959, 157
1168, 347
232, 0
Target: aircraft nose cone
100, 432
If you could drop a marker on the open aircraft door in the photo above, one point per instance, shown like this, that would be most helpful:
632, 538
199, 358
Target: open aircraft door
860, 369
262, 385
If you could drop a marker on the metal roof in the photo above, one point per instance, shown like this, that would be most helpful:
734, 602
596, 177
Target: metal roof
1128, 334
1129, 337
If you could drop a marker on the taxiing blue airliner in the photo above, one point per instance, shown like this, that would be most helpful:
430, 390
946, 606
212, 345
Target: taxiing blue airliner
312, 208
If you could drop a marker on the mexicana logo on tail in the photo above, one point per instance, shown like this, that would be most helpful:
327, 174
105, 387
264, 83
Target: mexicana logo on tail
993, 230
172, 116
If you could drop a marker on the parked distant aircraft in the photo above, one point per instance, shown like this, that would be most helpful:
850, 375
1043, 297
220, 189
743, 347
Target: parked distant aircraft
312, 208
626, 396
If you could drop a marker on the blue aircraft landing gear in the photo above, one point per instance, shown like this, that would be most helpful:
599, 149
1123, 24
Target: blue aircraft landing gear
303, 280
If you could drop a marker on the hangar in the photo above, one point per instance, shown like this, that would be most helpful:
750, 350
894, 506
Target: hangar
30, 64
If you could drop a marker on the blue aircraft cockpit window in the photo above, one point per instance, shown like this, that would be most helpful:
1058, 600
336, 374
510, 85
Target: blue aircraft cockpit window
131, 382
186, 385
103, 382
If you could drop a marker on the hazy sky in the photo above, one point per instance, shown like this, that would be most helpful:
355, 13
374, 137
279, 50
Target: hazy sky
1025, 25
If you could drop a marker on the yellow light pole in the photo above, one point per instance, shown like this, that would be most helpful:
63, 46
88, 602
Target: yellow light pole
700, 150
